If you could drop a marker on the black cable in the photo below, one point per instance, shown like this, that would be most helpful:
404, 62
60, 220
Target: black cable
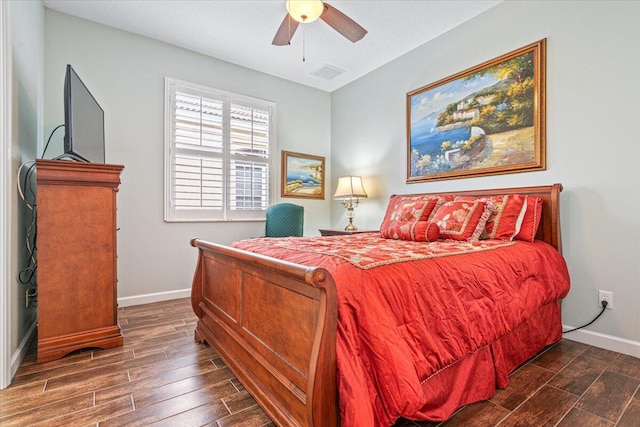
32, 271
604, 307
49, 140
27, 180
26, 275
33, 267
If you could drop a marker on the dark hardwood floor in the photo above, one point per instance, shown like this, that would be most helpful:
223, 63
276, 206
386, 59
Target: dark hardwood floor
162, 377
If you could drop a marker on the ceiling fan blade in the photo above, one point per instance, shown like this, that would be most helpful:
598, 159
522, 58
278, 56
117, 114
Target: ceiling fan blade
285, 32
342, 23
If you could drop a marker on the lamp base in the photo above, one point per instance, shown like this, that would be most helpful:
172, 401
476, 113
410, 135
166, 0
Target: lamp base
350, 226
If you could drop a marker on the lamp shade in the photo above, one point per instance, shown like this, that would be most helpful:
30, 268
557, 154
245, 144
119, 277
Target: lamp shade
305, 10
350, 187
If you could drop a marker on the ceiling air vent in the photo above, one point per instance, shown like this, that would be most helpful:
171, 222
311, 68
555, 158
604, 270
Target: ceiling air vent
327, 72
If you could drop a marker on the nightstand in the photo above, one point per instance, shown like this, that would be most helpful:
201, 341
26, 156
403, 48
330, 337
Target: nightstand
344, 232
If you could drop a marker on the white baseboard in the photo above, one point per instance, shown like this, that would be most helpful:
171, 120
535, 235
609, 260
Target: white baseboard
157, 297
21, 351
608, 342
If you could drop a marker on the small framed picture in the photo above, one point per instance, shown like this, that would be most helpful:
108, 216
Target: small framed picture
302, 176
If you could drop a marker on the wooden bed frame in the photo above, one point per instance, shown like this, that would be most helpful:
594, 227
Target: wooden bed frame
274, 322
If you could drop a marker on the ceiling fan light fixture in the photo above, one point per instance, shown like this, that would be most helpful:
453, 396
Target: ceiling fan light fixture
305, 10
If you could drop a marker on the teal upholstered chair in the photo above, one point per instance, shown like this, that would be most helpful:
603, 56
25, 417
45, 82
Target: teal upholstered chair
284, 219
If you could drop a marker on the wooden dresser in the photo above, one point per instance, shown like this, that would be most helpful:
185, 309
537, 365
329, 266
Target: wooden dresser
77, 257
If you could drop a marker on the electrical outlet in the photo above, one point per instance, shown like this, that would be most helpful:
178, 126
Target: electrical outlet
605, 296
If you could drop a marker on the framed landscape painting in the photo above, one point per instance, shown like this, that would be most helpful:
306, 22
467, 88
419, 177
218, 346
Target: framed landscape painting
487, 120
302, 175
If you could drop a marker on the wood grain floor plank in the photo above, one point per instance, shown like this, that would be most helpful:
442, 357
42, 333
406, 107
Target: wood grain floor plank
199, 416
559, 356
600, 354
217, 379
203, 357
158, 314
251, 417
44, 398
20, 392
145, 334
146, 346
626, 365
45, 412
609, 395
190, 347
481, 414
177, 340
578, 417
158, 380
155, 309
165, 409
239, 401
155, 315
172, 321
237, 384
545, 407
186, 328
69, 360
524, 383
578, 375
93, 415
631, 417
402, 422
61, 370
102, 377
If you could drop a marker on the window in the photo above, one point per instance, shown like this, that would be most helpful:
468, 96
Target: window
218, 154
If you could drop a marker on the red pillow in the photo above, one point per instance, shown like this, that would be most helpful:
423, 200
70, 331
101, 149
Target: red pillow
432, 232
462, 220
417, 231
505, 220
411, 208
403, 214
531, 219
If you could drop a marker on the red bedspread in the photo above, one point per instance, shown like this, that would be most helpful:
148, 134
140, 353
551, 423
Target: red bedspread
402, 324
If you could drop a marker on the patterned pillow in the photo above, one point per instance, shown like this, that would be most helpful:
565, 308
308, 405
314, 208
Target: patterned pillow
402, 214
411, 208
506, 217
531, 220
417, 231
462, 220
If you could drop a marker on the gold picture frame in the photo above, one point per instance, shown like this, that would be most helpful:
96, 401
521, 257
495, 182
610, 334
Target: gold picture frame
486, 120
302, 175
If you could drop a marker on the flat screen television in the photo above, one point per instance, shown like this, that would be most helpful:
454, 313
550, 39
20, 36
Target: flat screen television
84, 121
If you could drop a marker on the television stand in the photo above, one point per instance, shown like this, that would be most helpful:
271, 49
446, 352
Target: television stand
77, 261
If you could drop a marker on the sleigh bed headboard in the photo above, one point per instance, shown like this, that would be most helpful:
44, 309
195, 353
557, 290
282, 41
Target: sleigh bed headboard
549, 228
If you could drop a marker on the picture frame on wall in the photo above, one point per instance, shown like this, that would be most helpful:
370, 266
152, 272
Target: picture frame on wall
302, 175
486, 120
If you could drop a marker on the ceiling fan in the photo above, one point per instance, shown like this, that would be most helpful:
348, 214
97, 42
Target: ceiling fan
306, 11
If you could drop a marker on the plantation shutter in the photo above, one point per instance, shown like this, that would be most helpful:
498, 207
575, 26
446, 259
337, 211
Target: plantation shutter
249, 155
219, 154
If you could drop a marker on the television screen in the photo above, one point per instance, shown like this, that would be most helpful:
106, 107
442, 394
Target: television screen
84, 121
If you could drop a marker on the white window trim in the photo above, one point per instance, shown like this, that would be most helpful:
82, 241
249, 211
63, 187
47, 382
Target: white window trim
169, 212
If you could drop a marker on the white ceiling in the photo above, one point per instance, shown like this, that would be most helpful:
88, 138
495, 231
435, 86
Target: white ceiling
241, 31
